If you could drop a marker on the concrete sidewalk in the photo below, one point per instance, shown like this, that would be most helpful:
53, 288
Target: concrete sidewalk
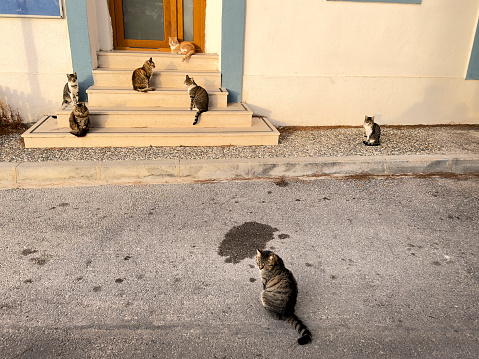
93, 173
302, 152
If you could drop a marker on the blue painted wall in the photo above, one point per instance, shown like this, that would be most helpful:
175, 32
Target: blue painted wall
232, 48
77, 20
473, 68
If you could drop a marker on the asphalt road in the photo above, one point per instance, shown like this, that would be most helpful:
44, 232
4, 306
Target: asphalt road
386, 268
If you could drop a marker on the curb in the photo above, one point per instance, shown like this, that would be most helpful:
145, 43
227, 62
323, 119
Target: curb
94, 173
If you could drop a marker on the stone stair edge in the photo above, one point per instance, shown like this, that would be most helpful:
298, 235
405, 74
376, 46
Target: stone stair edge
36, 132
96, 88
158, 53
231, 108
159, 71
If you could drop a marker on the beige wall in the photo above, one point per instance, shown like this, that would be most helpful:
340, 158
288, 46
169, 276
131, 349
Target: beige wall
319, 62
104, 35
213, 26
33, 66
309, 62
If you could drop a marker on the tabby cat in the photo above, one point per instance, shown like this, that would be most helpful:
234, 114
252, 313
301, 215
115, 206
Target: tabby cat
80, 120
141, 77
184, 47
198, 96
70, 91
372, 130
280, 291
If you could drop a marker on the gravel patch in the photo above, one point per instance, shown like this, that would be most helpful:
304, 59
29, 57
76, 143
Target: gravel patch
306, 142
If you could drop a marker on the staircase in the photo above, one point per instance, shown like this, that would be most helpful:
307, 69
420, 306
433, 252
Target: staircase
122, 117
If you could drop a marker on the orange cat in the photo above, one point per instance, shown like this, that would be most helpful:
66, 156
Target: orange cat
184, 47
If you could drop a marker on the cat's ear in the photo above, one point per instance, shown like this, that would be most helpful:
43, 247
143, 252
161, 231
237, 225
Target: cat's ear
259, 252
151, 59
366, 117
372, 118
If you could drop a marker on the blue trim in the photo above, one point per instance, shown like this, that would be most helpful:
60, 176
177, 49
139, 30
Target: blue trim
232, 47
77, 20
473, 68
389, 1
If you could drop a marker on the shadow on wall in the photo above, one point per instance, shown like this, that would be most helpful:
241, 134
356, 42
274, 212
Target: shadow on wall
30, 106
434, 108
260, 111
28, 98
32, 56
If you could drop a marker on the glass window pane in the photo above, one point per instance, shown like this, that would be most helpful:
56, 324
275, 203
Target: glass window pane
143, 20
188, 20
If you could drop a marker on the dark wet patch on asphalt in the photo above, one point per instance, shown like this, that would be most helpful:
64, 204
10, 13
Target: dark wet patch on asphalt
242, 241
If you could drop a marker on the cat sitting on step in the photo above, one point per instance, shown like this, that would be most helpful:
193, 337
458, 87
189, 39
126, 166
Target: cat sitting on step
141, 77
70, 91
280, 292
80, 120
184, 47
198, 97
372, 131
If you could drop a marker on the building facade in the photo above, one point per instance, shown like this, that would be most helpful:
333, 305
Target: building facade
300, 63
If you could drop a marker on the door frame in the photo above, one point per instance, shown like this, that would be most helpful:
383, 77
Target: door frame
173, 26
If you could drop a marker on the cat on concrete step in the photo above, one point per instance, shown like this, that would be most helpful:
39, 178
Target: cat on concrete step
185, 47
79, 120
141, 77
70, 90
198, 97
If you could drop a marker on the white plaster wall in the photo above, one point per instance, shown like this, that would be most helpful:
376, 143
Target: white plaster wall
91, 9
318, 62
103, 25
213, 26
35, 60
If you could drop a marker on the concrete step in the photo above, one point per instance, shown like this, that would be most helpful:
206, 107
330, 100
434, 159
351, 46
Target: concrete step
163, 78
99, 96
235, 115
46, 134
163, 60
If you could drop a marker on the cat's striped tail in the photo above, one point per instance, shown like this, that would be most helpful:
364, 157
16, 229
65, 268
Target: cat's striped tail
300, 328
188, 55
198, 113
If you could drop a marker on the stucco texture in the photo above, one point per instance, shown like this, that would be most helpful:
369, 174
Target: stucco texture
34, 63
331, 63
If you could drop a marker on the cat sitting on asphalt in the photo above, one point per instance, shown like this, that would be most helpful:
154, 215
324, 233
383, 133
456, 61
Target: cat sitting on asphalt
280, 292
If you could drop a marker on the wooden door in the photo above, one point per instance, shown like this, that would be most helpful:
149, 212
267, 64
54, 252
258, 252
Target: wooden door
147, 24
